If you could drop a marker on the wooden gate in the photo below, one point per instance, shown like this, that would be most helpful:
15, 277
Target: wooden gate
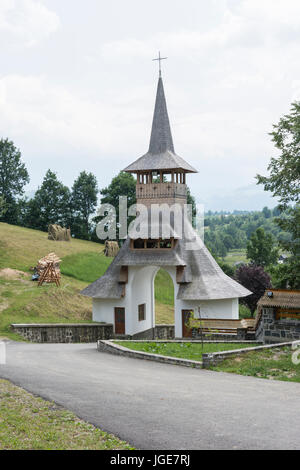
120, 321
186, 331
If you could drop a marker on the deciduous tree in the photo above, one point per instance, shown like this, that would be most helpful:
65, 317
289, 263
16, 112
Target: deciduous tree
13, 177
284, 182
256, 280
261, 249
84, 202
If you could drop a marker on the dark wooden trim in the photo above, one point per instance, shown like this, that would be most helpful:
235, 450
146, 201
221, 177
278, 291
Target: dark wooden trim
142, 312
123, 277
179, 273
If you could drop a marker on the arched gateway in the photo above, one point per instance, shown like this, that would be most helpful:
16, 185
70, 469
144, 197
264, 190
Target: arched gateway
124, 296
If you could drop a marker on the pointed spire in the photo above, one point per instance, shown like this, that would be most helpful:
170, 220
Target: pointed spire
161, 137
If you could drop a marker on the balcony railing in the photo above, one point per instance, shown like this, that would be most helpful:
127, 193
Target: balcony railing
160, 190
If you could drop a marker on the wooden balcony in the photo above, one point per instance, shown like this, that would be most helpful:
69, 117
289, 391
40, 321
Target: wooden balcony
161, 190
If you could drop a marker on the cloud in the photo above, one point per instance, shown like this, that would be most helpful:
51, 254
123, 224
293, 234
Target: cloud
26, 22
233, 71
244, 24
58, 121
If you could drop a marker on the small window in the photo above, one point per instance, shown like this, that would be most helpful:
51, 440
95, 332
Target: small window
152, 244
142, 312
164, 244
138, 244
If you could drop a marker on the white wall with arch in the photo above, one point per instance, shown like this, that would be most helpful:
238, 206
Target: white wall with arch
140, 290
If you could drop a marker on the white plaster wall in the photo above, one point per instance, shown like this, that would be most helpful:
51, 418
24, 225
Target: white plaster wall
223, 309
104, 310
140, 290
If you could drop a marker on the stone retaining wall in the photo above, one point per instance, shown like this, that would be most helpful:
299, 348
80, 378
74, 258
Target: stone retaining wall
64, 333
164, 332
275, 331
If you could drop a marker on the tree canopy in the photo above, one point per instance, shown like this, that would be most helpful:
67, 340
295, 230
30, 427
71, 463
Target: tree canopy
261, 249
284, 182
284, 178
84, 202
256, 280
13, 177
51, 204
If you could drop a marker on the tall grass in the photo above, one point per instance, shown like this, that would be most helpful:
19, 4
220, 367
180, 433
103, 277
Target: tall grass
85, 267
164, 288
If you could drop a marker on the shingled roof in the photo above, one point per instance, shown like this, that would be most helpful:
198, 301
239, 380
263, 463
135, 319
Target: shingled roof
202, 279
280, 298
161, 154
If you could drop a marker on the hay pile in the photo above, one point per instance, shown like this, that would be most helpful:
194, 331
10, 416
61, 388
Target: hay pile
58, 233
12, 274
111, 249
44, 262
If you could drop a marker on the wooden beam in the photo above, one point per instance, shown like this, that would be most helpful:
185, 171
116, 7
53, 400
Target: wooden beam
123, 277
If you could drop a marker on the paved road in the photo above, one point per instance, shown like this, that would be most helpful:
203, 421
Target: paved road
158, 406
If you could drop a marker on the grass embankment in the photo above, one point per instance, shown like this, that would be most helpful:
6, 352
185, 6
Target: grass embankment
22, 301
192, 351
28, 422
273, 364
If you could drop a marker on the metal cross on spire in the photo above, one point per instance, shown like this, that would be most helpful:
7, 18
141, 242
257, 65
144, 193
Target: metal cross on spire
159, 58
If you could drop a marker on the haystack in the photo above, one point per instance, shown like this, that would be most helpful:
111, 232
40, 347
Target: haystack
111, 249
49, 275
58, 233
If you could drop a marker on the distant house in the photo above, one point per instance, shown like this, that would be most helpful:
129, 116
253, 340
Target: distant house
280, 310
239, 263
282, 259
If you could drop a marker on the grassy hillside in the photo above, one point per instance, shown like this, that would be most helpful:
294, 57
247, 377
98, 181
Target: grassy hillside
21, 247
21, 300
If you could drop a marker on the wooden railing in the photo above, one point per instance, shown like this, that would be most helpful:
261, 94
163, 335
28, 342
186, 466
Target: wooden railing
160, 190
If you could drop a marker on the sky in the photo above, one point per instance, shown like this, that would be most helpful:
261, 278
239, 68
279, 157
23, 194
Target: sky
78, 84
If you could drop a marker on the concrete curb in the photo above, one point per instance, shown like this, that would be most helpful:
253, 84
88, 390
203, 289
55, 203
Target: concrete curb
207, 359
110, 347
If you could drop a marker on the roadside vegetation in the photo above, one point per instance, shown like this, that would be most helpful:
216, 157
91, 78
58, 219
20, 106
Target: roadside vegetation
273, 364
192, 351
31, 423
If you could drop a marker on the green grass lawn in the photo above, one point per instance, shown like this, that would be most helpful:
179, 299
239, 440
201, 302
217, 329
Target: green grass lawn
87, 266
31, 423
164, 288
21, 248
273, 364
192, 351
236, 256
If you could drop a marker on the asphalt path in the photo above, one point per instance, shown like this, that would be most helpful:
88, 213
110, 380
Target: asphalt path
159, 406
